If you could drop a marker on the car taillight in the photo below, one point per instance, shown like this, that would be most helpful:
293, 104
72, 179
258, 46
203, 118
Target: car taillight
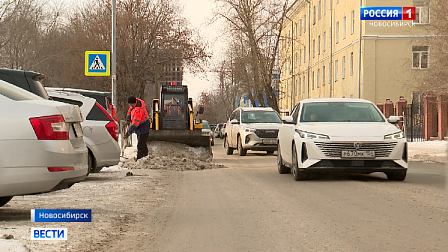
59, 169
112, 127
50, 127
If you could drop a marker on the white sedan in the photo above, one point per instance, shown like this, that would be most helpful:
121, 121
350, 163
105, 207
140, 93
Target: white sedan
41, 144
99, 129
341, 135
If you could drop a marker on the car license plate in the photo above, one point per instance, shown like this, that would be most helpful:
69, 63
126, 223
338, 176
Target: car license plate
78, 129
269, 141
358, 154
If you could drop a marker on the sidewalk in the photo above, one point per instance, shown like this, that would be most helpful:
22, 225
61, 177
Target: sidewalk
428, 151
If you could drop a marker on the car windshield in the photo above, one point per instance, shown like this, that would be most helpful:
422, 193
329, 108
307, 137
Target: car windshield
205, 125
340, 112
260, 117
15, 93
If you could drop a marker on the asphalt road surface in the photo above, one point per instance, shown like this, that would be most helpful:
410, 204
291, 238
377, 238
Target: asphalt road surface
250, 207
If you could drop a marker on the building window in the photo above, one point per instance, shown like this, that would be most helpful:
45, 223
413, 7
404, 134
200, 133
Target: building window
300, 85
352, 23
304, 54
296, 30
295, 89
351, 64
343, 67
325, 6
303, 83
420, 57
318, 45
324, 40
314, 48
319, 9
329, 73
304, 24
336, 70
300, 57
421, 11
337, 32
317, 78
323, 76
337, 1
312, 81
300, 26
344, 28
295, 59
314, 14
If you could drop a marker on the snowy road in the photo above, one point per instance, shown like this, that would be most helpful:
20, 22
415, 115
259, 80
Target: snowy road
247, 206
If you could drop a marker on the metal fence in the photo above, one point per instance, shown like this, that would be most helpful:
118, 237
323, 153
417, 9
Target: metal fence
413, 120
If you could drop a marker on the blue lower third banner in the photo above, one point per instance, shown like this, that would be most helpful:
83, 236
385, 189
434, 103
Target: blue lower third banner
49, 234
61, 215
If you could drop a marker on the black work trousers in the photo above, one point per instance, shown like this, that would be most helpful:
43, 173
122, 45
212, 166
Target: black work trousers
142, 146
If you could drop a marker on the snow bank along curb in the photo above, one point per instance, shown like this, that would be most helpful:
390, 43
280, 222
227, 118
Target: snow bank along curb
429, 151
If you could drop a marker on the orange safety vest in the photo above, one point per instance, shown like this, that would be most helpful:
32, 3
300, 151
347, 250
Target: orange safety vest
113, 112
139, 114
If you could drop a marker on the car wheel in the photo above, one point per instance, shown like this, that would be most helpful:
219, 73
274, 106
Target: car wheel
298, 174
397, 176
229, 150
92, 164
4, 200
270, 152
241, 150
282, 169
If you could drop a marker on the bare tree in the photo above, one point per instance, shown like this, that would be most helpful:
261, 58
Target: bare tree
258, 24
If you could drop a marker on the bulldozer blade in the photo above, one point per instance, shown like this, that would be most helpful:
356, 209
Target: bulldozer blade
193, 138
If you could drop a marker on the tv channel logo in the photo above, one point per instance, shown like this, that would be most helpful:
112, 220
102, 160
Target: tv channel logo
387, 13
58, 234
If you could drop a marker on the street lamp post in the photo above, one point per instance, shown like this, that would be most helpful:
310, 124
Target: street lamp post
292, 62
114, 54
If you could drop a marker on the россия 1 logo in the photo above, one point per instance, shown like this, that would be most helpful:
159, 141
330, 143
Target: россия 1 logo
387, 13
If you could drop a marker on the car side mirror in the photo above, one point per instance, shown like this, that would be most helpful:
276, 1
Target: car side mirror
288, 119
234, 121
393, 119
201, 110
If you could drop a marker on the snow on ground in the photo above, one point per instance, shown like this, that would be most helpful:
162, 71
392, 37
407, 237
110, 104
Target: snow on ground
428, 151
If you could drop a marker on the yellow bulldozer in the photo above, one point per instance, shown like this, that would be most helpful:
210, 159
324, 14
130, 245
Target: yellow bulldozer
174, 119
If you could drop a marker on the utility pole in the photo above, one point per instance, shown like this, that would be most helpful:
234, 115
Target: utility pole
114, 55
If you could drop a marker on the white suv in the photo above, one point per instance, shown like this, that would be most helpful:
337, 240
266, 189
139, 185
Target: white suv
252, 128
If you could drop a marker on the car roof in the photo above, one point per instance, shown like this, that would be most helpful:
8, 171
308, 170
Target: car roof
77, 90
256, 108
313, 100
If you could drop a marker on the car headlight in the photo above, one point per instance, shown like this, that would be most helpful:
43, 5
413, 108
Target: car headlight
304, 134
249, 130
397, 135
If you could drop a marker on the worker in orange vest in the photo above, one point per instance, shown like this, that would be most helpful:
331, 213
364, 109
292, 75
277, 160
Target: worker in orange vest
138, 119
111, 108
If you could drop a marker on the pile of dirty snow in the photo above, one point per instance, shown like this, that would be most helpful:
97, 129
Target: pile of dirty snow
172, 156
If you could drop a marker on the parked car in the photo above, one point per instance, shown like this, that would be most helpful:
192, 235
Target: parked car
252, 128
28, 80
99, 96
42, 144
217, 130
341, 135
222, 131
206, 130
99, 129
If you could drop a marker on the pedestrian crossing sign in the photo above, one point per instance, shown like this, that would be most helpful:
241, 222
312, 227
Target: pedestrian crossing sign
97, 63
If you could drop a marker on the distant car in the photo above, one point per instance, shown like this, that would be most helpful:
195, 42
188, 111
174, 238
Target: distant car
217, 130
42, 144
252, 128
341, 135
222, 131
206, 130
99, 129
